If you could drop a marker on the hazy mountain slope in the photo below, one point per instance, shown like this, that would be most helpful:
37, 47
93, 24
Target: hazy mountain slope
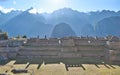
95, 17
87, 30
27, 24
72, 17
108, 26
4, 17
62, 30
78, 20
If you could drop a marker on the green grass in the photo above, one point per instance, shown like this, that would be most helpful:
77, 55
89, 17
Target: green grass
51, 68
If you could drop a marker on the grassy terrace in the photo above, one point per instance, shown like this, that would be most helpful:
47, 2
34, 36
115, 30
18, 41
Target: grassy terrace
56, 67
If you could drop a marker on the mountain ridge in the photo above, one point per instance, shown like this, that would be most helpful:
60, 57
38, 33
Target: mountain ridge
42, 24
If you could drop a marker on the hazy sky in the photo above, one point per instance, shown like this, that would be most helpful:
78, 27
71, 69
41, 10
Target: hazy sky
51, 5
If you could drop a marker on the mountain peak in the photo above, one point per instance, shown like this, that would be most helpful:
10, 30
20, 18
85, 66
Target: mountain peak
64, 10
29, 9
62, 30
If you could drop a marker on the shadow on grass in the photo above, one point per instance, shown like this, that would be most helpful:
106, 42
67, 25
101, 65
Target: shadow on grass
97, 66
112, 66
83, 67
39, 66
69, 62
74, 65
27, 66
106, 66
66, 67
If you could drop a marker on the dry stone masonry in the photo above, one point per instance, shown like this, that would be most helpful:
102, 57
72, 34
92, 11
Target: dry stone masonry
87, 49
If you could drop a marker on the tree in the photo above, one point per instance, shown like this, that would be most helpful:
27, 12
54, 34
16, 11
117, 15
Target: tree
24, 36
3, 36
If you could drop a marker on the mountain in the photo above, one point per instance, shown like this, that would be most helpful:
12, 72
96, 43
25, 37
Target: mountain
27, 24
79, 20
95, 17
108, 26
4, 17
62, 30
74, 18
83, 24
88, 30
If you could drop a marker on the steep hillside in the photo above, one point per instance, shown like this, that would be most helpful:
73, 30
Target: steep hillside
108, 26
62, 30
87, 30
27, 24
4, 17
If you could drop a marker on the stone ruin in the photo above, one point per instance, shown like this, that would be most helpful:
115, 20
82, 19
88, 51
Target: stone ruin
88, 49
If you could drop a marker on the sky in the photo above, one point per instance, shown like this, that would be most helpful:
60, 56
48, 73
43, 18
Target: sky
52, 5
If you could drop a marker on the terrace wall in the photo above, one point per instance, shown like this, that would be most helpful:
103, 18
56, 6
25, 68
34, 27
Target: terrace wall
84, 48
114, 52
64, 48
